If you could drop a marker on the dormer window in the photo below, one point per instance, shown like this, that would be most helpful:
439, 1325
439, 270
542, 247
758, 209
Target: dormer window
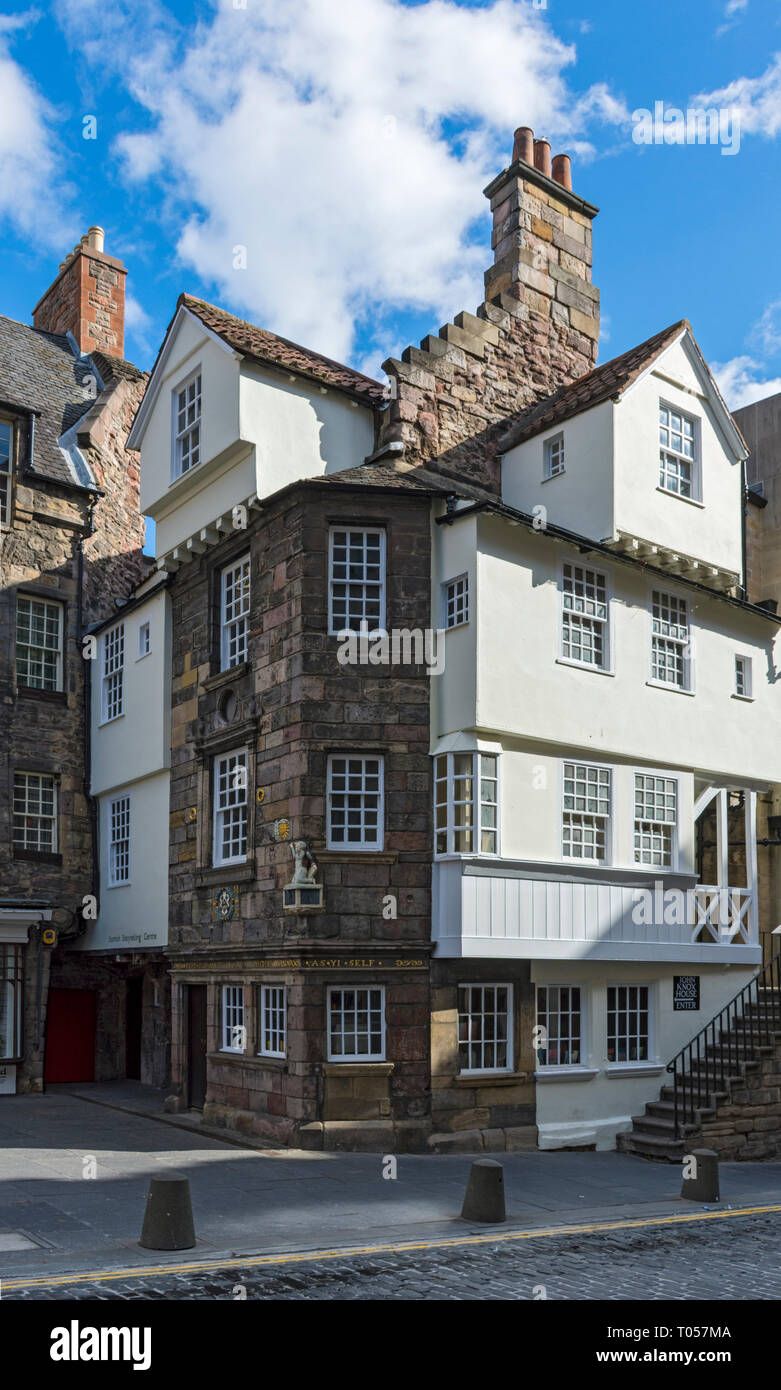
6, 469
187, 425
678, 461
553, 450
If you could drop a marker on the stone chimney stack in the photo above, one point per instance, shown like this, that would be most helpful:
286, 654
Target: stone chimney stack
87, 298
537, 329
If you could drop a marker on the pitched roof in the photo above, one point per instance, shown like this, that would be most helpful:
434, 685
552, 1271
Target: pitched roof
259, 343
39, 372
601, 384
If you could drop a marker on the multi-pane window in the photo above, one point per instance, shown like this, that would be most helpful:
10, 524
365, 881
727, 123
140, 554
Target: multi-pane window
584, 635
272, 1022
355, 803
144, 639
187, 425
356, 1024
586, 819
11, 996
559, 1026
485, 1027
655, 820
230, 808
112, 694
677, 452
119, 841
554, 456
466, 803
6, 470
627, 1023
234, 1030
356, 580
457, 601
743, 676
670, 640
35, 812
38, 643
234, 613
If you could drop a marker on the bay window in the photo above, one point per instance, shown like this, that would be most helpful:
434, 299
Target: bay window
466, 803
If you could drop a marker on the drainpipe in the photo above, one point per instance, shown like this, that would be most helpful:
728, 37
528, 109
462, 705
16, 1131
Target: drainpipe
743, 540
92, 805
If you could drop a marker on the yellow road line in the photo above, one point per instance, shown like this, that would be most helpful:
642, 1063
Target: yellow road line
393, 1248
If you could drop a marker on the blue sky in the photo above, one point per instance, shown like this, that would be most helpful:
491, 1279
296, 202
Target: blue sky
345, 143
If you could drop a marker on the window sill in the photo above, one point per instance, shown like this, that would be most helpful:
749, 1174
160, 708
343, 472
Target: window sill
550, 1074
614, 1069
584, 666
39, 855
232, 673
356, 856
492, 1078
454, 626
239, 873
666, 685
352, 1067
691, 501
103, 722
188, 472
251, 1059
32, 692
747, 699
125, 884
551, 477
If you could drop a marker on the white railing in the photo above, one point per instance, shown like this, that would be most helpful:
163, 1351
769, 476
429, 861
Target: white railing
723, 914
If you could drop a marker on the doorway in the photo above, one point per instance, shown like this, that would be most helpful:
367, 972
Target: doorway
196, 1046
134, 999
70, 1035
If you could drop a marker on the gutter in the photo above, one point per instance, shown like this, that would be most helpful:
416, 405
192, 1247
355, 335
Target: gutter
586, 546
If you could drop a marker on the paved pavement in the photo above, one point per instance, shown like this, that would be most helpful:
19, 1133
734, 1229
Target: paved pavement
74, 1176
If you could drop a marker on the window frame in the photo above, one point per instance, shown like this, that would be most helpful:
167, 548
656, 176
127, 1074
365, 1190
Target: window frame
606, 668
237, 1006
243, 617
354, 1057
145, 626
218, 811
108, 676
12, 963
23, 847
177, 436
664, 775
687, 647
509, 1040
363, 846
264, 990
582, 1013
111, 843
381, 585
464, 607
649, 1059
610, 832
695, 461
26, 597
554, 441
477, 804
6, 513
748, 677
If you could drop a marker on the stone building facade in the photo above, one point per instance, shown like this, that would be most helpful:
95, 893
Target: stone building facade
70, 541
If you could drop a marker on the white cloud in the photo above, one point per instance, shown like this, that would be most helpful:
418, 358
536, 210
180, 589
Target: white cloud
138, 325
756, 100
740, 382
345, 145
32, 196
768, 328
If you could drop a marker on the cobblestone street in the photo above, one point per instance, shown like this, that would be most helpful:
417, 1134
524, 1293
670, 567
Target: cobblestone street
734, 1258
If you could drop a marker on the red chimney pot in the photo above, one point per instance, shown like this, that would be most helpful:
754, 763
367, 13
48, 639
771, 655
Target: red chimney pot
562, 170
542, 156
523, 144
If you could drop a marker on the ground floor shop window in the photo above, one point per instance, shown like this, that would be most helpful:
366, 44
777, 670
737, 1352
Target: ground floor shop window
559, 1031
356, 1024
627, 1023
234, 1031
272, 1023
11, 977
485, 1027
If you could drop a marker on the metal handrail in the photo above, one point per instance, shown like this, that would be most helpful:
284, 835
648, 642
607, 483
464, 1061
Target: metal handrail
712, 1065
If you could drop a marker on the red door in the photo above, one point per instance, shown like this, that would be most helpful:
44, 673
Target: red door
70, 1035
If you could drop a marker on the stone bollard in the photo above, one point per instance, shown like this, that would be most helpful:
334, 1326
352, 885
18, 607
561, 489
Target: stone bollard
168, 1218
700, 1177
484, 1200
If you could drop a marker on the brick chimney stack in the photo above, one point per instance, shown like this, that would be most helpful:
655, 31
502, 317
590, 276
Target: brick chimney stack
87, 298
